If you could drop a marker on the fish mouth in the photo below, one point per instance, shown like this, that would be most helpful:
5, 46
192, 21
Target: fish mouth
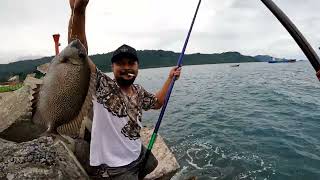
75, 53
82, 55
82, 51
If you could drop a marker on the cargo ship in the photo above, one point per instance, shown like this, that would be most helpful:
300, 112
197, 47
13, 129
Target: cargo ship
274, 60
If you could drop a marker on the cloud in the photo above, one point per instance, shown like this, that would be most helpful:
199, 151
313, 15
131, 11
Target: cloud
229, 25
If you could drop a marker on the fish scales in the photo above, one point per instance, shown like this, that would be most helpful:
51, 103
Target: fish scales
64, 90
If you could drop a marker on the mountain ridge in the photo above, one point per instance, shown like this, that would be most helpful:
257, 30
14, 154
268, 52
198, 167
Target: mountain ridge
147, 59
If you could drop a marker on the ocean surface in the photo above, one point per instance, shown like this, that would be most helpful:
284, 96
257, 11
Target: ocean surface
256, 121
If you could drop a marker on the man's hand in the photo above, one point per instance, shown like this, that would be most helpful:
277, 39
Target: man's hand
76, 28
78, 5
161, 95
175, 71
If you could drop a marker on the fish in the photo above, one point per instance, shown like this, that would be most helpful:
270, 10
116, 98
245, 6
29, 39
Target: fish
64, 98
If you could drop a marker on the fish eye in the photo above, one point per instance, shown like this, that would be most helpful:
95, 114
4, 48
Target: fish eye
64, 59
82, 55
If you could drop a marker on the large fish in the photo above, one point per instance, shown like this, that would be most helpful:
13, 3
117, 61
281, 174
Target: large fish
65, 97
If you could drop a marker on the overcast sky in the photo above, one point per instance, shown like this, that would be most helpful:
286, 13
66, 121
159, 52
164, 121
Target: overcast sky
245, 26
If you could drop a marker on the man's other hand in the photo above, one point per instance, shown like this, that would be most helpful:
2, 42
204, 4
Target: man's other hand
78, 5
175, 71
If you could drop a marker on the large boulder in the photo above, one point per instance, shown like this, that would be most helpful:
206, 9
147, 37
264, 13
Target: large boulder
14, 106
15, 113
41, 158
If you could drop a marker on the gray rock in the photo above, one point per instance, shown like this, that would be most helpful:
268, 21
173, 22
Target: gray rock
14, 106
43, 68
15, 113
41, 158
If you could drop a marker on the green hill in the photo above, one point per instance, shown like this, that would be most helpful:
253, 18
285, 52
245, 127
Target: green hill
148, 59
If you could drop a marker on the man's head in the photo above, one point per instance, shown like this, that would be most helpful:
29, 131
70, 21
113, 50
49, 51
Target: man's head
125, 65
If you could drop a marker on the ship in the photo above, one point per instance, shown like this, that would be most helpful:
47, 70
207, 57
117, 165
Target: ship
235, 65
274, 60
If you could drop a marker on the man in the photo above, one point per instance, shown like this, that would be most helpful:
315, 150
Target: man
116, 151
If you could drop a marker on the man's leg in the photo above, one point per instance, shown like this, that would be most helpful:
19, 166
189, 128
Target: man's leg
108, 173
130, 171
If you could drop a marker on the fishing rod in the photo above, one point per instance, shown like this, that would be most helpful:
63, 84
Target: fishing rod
296, 34
179, 64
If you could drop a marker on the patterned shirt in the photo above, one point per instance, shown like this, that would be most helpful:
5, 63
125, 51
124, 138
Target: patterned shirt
116, 124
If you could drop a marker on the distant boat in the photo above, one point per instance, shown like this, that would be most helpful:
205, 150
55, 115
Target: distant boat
235, 65
282, 61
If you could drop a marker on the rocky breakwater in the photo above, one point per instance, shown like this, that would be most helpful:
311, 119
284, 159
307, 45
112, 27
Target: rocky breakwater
25, 156
41, 158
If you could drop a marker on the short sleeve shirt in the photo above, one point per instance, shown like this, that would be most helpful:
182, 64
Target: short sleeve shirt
115, 139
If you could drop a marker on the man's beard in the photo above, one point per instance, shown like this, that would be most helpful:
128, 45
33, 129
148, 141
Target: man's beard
125, 82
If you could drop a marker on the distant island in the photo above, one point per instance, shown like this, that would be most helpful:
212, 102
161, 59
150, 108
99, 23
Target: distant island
147, 59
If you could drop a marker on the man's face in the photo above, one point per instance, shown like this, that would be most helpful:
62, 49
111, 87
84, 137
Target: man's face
125, 71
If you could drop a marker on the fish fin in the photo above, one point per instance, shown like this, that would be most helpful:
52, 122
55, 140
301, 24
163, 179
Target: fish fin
35, 98
73, 128
85, 125
36, 117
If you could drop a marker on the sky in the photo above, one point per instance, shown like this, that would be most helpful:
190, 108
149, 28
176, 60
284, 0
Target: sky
246, 26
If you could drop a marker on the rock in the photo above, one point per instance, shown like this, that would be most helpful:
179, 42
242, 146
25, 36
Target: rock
41, 158
31, 75
43, 68
32, 81
14, 79
14, 106
15, 113
82, 152
167, 163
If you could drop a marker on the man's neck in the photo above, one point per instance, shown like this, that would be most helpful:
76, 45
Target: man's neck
127, 90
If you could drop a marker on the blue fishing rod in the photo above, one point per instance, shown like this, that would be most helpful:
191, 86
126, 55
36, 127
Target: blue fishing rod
179, 64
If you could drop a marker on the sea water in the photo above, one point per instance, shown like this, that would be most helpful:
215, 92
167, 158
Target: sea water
255, 121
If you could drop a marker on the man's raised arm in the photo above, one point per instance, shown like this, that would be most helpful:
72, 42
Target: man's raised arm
76, 27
